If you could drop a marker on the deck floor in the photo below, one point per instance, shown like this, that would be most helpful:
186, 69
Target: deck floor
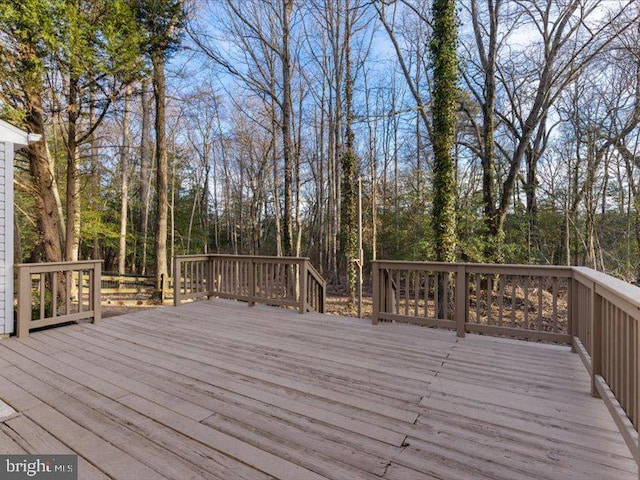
218, 390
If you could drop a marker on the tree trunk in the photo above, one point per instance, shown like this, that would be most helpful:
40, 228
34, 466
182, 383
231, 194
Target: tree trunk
145, 174
41, 173
95, 175
124, 187
162, 206
287, 147
72, 242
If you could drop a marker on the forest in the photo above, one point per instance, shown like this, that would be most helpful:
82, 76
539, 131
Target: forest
244, 126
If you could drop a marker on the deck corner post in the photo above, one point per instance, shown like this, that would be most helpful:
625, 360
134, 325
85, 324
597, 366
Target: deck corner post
596, 339
375, 276
24, 301
97, 291
302, 308
253, 273
461, 300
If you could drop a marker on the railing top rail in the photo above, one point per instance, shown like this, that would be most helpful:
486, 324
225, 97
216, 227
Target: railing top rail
483, 266
57, 264
316, 274
243, 257
626, 291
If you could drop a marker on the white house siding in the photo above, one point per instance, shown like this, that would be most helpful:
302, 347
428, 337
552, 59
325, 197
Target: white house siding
6, 298
11, 138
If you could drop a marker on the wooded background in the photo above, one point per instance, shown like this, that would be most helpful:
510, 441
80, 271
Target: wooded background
242, 127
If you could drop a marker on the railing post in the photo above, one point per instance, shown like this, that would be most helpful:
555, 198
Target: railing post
461, 300
177, 263
211, 277
389, 292
302, 308
375, 277
253, 272
24, 302
97, 291
572, 308
596, 338
323, 300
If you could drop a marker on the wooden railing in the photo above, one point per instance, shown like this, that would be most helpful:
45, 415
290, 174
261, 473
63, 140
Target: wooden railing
55, 293
525, 302
607, 338
594, 312
280, 281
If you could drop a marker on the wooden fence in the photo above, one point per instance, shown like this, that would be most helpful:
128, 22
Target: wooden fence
280, 281
55, 293
595, 313
113, 283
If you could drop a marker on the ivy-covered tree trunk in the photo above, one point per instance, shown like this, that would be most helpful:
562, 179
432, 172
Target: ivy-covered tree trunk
349, 200
445, 75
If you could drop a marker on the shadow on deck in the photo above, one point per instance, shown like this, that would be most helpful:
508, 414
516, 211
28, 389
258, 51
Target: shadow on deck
217, 390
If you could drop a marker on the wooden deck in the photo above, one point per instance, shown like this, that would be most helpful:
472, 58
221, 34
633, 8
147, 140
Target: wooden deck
218, 390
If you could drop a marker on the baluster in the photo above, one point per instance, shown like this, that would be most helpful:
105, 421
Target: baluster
610, 343
619, 352
426, 295
445, 295
225, 275
398, 291
525, 288
43, 297
416, 293
539, 320
478, 278
436, 294
95, 292
555, 304
489, 303
80, 287
407, 290
263, 273
625, 360
514, 298
54, 296
635, 369
461, 299
501, 280
68, 275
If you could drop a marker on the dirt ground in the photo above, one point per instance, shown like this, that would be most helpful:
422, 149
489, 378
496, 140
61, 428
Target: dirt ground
337, 304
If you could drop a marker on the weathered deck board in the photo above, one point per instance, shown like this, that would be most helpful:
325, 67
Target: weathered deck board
218, 390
